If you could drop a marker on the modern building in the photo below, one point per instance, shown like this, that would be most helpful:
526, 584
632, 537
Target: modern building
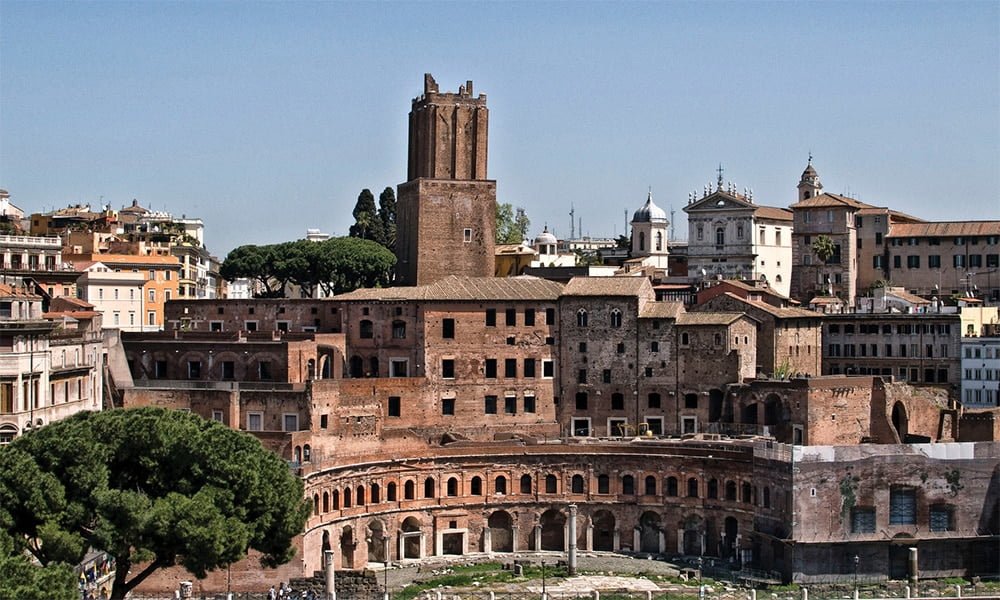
130, 290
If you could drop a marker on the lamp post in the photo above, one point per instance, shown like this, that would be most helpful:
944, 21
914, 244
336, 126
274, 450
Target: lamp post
385, 571
701, 586
543, 580
856, 561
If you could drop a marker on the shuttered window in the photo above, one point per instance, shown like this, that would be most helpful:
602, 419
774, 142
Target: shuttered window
902, 507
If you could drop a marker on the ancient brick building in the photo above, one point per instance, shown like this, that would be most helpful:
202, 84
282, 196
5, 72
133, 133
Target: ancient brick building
446, 211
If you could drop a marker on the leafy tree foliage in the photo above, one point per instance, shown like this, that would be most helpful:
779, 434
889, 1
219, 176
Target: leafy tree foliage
823, 247
24, 580
511, 226
367, 224
335, 265
387, 215
152, 488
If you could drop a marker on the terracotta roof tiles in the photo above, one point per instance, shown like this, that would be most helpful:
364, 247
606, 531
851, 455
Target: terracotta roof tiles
661, 310
607, 286
944, 229
773, 212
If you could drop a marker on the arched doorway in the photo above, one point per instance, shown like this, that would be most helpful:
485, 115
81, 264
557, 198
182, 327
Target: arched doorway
324, 548
553, 525
749, 416
501, 532
692, 527
772, 410
900, 421
649, 532
377, 539
412, 538
604, 531
356, 366
732, 529
347, 546
325, 368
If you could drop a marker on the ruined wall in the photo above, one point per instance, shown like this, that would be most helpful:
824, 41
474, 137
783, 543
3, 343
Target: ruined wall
913, 410
979, 426
223, 315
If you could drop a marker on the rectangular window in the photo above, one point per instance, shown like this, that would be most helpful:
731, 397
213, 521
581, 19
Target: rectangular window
862, 520
290, 422
934, 261
490, 405
217, 416
550, 316
913, 262
215, 326
581, 376
897, 262
491, 368
394, 406
250, 326
255, 421
529, 317
529, 403
399, 367
902, 506
510, 317
958, 261
228, 370
448, 368
606, 376
510, 405
654, 346
529, 367
264, 370
491, 317
975, 261
152, 295
941, 519
548, 368
447, 406
151, 318
467, 235
510, 367
194, 369
448, 329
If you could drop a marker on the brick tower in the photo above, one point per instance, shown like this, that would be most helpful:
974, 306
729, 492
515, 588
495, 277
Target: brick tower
446, 210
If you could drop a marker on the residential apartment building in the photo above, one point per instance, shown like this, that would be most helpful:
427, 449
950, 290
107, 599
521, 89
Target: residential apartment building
130, 290
981, 369
731, 237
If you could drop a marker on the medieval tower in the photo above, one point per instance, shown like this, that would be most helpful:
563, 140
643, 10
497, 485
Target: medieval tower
446, 212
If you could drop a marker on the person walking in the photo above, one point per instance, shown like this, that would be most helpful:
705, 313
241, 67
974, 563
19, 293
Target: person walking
271, 594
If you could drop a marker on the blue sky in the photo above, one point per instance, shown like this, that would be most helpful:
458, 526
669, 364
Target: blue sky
268, 118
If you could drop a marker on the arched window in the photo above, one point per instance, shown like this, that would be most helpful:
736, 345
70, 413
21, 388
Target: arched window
713, 489
720, 236
718, 339
500, 485
671, 486
581, 318
429, 487
372, 367
326, 501
399, 330
476, 486
550, 484
452, 488
616, 318
659, 241
525, 484
360, 497
767, 497
692, 488
747, 493
731, 490
628, 485
306, 453
315, 504
577, 484
357, 367
335, 499
701, 233
409, 490
347, 497
642, 241
390, 491
650, 486
375, 494
367, 330
603, 484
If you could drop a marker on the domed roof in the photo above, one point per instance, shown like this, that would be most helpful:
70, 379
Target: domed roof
545, 237
649, 212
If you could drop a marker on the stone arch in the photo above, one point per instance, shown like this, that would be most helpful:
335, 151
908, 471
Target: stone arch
409, 490
429, 487
476, 486
326, 501
501, 526
500, 485
359, 496
347, 545
576, 484
335, 499
390, 491
650, 486
325, 547
772, 410
748, 415
604, 531
377, 539
649, 532
348, 494
325, 367
525, 484
412, 538
451, 488
900, 420
553, 525
693, 527
315, 504
731, 529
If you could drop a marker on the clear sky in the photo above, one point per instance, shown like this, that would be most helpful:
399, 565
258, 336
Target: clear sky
268, 118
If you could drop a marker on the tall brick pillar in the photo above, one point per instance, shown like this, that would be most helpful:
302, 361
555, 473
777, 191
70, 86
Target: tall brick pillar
446, 210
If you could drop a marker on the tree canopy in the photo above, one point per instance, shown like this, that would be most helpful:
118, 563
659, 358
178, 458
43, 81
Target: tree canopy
152, 488
511, 226
367, 224
334, 266
21, 579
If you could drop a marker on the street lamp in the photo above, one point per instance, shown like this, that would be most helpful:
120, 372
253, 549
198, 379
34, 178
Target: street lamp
856, 561
701, 586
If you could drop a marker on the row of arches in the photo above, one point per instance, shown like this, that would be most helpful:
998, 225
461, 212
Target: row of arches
354, 495
415, 537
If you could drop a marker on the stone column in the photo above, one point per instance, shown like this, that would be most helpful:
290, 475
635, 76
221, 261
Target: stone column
636, 539
661, 543
590, 536
616, 540
572, 540
331, 590
514, 532
914, 572
680, 541
487, 539
538, 538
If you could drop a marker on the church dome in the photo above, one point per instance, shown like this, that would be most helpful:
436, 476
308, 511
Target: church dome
649, 213
545, 238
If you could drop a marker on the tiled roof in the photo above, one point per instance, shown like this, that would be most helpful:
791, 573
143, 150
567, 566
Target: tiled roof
773, 212
944, 229
505, 249
465, 288
123, 259
907, 297
769, 291
708, 318
661, 310
606, 286
828, 200
826, 300
781, 313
